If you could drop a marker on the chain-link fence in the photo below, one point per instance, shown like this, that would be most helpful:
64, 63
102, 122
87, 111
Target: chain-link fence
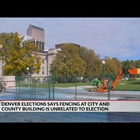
58, 88
66, 87
34, 88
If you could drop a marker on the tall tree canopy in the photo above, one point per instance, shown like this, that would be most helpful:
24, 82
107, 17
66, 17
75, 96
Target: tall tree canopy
93, 62
112, 66
67, 62
73, 60
17, 54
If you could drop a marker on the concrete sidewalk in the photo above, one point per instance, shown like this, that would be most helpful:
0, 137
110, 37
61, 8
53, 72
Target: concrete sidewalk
10, 94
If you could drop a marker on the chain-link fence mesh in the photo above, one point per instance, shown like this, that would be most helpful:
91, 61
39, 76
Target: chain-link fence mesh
62, 88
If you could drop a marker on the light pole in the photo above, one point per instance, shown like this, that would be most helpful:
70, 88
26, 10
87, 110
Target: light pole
103, 63
27, 74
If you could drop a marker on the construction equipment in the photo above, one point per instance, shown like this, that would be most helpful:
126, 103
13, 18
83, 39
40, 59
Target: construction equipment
115, 82
106, 84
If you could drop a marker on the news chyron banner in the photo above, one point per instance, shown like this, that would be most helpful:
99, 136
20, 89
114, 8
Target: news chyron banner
69, 106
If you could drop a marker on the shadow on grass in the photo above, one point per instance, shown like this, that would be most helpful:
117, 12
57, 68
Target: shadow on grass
136, 82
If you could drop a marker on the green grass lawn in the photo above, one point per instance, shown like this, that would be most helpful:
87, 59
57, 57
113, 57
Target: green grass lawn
128, 85
122, 85
66, 84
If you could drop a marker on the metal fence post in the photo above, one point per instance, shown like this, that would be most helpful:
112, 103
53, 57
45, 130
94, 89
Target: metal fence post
109, 87
75, 90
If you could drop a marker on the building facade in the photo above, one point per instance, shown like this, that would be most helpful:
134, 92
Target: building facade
35, 32
0, 68
37, 36
50, 56
0, 63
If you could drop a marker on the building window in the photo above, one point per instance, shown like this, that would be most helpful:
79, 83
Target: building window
36, 43
42, 70
42, 46
42, 61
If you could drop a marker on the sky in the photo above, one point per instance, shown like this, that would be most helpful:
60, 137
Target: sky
112, 37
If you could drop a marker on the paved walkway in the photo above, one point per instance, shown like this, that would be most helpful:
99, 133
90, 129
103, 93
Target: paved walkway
10, 93
69, 94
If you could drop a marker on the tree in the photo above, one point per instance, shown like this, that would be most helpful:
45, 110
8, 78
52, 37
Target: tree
93, 62
137, 63
112, 66
67, 62
128, 64
17, 54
